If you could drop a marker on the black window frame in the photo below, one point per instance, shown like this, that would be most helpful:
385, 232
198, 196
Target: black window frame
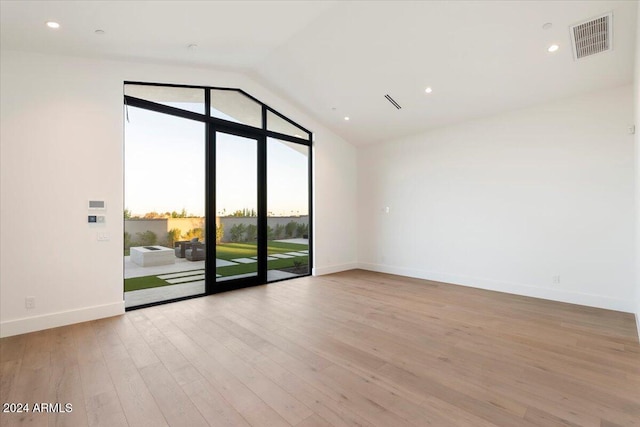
261, 134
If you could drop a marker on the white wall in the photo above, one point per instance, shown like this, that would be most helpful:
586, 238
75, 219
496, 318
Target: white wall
510, 201
637, 124
62, 144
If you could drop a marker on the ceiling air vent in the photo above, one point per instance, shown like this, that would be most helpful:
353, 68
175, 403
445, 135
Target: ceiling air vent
591, 37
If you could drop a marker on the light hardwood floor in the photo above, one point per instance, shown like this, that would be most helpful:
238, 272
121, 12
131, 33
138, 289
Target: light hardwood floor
349, 349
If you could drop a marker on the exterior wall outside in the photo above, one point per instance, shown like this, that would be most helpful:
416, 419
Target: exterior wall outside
184, 224
272, 221
157, 226
161, 226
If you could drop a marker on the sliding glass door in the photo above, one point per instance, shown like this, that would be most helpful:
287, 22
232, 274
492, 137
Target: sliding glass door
217, 193
164, 218
236, 202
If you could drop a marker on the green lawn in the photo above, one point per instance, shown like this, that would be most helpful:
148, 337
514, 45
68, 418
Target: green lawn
145, 282
275, 264
229, 251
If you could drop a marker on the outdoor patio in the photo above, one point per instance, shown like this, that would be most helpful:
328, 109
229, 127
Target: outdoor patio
187, 277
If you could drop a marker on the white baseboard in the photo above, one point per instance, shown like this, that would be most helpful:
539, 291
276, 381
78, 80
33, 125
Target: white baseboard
319, 271
63, 318
638, 322
590, 300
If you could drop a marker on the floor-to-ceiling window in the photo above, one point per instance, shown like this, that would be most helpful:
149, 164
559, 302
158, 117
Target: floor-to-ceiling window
217, 193
287, 209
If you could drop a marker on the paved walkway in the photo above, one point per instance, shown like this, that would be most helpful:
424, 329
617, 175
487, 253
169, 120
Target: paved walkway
298, 241
134, 270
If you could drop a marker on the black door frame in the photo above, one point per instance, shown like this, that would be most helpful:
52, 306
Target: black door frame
213, 125
212, 285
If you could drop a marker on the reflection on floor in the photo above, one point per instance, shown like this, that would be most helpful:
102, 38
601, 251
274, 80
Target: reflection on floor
162, 293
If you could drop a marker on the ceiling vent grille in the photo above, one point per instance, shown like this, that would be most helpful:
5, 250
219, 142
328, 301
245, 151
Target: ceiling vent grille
393, 101
591, 37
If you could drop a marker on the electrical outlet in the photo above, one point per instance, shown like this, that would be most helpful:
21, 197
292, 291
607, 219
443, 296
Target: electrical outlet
30, 303
555, 280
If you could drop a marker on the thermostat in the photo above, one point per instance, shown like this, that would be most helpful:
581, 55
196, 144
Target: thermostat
97, 204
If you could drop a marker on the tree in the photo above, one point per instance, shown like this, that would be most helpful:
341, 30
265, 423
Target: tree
152, 215
244, 213
127, 213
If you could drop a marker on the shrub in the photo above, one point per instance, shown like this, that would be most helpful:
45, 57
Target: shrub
219, 232
173, 236
127, 240
270, 233
195, 232
147, 238
290, 229
278, 232
251, 233
302, 230
237, 231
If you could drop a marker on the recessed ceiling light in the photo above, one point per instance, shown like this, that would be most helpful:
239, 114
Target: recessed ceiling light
553, 48
99, 32
428, 90
52, 24
547, 25
347, 118
192, 46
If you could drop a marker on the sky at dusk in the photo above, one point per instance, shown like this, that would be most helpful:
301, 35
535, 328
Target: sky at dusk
165, 168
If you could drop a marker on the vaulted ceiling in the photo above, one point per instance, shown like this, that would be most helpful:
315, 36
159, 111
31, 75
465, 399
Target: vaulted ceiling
339, 59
